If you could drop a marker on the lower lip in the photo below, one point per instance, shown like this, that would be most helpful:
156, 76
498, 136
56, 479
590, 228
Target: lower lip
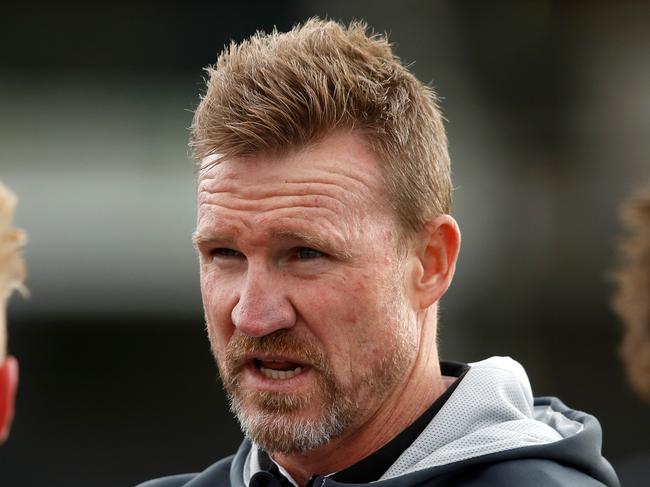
254, 377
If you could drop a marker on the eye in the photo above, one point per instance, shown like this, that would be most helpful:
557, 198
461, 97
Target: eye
226, 253
305, 253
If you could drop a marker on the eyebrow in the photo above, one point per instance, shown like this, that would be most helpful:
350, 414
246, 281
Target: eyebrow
310, 240
198, 240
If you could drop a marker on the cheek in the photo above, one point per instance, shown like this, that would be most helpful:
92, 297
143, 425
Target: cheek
217, 307
362, 305
352, 317
343, 315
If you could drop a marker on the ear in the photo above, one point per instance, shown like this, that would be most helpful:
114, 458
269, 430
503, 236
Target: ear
8, 386
436, 247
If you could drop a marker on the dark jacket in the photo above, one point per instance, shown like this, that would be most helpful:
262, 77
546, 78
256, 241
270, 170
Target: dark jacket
490, 432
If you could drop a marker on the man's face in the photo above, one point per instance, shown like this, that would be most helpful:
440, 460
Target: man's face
303, 286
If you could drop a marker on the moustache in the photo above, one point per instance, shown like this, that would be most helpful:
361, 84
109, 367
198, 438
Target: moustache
283, 343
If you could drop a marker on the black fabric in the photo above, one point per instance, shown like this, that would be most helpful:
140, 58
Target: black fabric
270, 476
269, 479
373, 466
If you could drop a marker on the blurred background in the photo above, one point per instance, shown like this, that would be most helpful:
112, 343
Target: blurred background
548, 108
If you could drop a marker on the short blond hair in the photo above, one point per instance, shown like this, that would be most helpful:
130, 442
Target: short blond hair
12, 266
632, 297
281, 91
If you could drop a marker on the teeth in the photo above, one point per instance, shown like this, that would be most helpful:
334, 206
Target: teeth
280, 374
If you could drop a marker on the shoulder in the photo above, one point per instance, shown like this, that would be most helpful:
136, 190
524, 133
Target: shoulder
526, 472
217, 474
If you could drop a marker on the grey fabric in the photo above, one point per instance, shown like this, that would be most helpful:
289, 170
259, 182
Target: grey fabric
492, 410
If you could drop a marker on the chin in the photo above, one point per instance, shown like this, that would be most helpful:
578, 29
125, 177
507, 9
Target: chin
288, 424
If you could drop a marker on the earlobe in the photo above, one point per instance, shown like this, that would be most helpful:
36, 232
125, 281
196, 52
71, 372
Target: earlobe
439, 244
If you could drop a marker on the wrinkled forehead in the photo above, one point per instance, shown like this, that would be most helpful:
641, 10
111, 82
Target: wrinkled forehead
341, 161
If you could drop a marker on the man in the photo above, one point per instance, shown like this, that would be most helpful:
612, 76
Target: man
632, 297
12, 273
632, 304
325, 244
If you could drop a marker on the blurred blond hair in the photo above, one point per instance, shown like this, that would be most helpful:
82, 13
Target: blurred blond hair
12, 266
632, 297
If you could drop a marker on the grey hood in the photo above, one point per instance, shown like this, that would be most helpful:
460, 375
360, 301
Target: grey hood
492, 410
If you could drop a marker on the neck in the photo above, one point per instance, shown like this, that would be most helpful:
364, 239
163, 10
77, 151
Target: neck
408, 401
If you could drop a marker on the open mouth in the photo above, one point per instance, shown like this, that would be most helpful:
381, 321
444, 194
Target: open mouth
278, 370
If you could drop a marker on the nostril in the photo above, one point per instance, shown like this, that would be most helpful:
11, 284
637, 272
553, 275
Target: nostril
259, 317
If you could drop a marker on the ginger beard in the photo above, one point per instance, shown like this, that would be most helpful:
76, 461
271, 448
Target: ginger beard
273, 420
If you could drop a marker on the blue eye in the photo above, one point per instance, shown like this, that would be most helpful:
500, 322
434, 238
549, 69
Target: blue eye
305, 253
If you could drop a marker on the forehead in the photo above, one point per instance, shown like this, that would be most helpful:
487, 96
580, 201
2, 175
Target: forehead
338, 172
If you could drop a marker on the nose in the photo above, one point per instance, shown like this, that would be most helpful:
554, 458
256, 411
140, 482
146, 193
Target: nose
262, 307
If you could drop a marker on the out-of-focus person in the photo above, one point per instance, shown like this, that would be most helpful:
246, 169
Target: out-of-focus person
12, 274
631, 302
